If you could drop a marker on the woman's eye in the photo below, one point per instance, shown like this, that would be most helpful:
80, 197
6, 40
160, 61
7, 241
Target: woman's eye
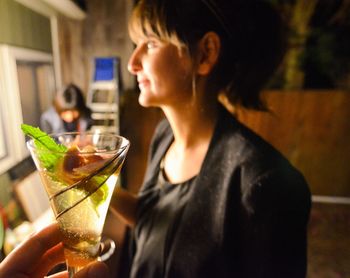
151, 44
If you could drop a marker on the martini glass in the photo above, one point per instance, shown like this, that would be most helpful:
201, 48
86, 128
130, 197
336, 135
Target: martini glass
80, 185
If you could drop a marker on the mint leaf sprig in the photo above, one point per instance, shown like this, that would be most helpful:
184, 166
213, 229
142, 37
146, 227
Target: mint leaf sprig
49, 152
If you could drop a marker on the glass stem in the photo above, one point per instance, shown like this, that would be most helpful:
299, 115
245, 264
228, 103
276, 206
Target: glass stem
72, 271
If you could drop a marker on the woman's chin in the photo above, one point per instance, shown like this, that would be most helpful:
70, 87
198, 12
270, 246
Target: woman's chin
145, 101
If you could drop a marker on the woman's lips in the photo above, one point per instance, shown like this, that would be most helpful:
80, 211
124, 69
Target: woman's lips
143, 83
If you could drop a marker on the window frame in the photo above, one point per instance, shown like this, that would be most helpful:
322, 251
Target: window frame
12, 141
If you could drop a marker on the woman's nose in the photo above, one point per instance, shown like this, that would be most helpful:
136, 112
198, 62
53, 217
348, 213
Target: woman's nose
134, 64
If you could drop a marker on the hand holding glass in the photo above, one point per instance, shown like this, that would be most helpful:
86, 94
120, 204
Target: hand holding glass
80, 185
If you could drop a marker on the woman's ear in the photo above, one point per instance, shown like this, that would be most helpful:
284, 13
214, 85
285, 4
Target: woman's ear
208, 53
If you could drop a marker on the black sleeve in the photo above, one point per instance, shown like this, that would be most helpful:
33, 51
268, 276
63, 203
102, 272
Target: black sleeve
272, 233
280, 224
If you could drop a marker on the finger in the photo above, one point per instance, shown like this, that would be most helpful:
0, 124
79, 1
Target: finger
63, 274
93, 270
51, 258
32, 249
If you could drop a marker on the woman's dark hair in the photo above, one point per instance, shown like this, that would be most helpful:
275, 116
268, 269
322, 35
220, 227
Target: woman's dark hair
251, 33
71, 98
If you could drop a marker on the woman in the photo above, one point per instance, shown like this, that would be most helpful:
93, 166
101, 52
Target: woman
217, 200
68, 113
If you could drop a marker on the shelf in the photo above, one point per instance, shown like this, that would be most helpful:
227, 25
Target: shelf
104, 85
103, 107
103, 128
104, 116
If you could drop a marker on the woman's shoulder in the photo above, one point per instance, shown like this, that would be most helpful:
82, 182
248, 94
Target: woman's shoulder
49, 112
264, 173
254, 154
244, 141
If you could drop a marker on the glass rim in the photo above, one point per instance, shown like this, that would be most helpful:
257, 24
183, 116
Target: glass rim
126, 143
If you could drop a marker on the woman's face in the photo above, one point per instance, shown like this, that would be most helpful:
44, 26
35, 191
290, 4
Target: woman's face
164, 73
69, 116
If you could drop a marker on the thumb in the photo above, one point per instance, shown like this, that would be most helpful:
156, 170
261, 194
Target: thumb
93, 270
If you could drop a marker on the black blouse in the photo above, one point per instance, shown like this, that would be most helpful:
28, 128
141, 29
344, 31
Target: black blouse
160, 212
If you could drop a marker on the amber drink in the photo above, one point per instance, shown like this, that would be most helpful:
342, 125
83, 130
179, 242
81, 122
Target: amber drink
79, 180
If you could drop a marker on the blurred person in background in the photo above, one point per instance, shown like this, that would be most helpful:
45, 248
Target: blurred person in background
68, 113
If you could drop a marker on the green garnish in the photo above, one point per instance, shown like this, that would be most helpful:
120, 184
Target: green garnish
49, 155
52, 151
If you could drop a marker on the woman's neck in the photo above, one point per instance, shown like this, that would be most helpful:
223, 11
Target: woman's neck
192, 124
193, 128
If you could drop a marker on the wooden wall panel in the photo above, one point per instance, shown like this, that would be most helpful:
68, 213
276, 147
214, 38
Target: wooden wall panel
74, 64
312, 129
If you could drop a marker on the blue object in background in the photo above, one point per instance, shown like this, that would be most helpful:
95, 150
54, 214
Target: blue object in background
105, 68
